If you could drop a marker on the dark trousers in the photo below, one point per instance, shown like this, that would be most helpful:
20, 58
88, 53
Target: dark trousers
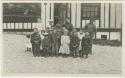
91, 35
74, 51
55, 48
46, 51
36, 49
86, 50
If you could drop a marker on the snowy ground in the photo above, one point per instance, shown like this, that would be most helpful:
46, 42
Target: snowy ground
105, 60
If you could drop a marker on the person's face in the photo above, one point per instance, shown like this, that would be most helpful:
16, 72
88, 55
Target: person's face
65, 33
91, 21
63, 28
51, 23
35, 30
75, 33
87, 33
67, 20
50, 31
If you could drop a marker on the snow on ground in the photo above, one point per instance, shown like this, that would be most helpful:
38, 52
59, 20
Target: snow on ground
105, 60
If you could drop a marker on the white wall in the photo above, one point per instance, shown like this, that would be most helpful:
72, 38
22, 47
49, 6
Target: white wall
73, 12
102, 15
106, 15
76, 15
112, 15
47, 15
98, 34
113, 35
118, 15
115, 15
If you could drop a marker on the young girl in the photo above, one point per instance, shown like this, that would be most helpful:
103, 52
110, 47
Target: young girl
28, 44
81, 34
65, 41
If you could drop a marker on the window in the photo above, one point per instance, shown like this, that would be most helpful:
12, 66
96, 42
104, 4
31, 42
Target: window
21, 12
90, 10
104, 37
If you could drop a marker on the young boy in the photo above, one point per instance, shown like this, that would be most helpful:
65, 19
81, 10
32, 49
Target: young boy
81, 34
74, 45
46, 45
50, 43
55, 42
86, 45
36, 41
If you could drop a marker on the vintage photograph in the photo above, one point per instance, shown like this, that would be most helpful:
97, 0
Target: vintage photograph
62, 38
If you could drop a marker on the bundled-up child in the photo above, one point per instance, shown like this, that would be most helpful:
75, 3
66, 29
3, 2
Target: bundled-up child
74, 44
86, 45
28, 43
46, 45
81, 34
55, 42
36, 41
65, 41
59, 34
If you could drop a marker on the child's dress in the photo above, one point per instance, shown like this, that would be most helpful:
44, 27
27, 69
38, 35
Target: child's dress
80, 38
28, 43
64, 48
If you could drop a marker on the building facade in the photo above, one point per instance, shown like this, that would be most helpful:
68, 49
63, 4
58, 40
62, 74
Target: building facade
108, 17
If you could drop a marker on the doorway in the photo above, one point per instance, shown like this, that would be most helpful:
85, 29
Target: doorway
61, 12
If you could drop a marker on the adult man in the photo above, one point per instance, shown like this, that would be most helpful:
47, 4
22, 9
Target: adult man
68, 25
91, 28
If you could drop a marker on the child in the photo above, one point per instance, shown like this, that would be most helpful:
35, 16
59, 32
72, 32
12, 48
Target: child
36, 41
74, 43
55, 42
28, 44
86, 45
42, 37
81, 34
65, 41
50, 43
46, 45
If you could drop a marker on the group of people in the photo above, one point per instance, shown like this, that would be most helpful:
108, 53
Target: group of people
63, 40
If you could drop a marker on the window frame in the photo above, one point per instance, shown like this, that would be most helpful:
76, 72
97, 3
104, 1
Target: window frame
86, 5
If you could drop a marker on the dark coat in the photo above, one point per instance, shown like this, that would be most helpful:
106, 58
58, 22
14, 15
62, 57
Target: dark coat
35, 38
86, 42
74, 42
46, 43
91, 28
55, 37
